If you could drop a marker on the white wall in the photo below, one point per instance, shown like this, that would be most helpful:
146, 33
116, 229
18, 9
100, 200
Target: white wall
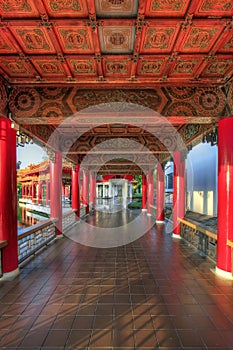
201, 171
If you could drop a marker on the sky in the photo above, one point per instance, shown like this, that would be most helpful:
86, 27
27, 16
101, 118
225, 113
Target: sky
30, 154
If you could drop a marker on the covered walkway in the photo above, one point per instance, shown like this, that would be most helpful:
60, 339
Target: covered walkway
155, 293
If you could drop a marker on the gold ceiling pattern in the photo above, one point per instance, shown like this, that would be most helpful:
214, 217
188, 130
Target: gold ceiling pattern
63, 58
116, 42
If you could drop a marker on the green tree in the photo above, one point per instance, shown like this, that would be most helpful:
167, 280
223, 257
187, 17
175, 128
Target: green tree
138, 186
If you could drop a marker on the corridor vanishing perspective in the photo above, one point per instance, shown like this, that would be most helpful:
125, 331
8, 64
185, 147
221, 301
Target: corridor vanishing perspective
120, 96
154, 293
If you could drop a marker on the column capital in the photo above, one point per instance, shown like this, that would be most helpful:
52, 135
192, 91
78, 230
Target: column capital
51, 154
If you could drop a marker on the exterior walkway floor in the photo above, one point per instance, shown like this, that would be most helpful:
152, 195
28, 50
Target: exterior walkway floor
154, 293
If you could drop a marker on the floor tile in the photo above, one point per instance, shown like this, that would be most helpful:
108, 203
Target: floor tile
154, 293
101, 338
145, 338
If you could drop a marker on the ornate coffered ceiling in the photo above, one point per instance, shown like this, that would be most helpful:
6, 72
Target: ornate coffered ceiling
101, 68
116, 42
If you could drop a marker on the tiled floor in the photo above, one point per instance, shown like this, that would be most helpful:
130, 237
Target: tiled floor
155, 293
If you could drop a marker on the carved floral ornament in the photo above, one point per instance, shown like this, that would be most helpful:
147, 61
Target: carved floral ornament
3, 97
55, 104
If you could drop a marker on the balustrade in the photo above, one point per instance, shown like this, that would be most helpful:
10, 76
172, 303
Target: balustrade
203, 240
34, 238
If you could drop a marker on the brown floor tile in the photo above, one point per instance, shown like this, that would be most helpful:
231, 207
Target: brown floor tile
83, 322
6, 322
24, 322
103, 322
144, 309
12, 338
15, 309
145, 338
168, 338
138, 298
56, 299
78, 339
123, 338
101, 338
194, 310
110, 298
154, 299
51, 309
124, 322
122, 298
86, 309
106, 299
43, 322
212, 338
68, 309
203, 322
33, 309
56, 338
190, 338
73, 298
91, 290
162, 322
158, 310
34, 338
63, 322
182, 322
143, 322
90, 298
104, 309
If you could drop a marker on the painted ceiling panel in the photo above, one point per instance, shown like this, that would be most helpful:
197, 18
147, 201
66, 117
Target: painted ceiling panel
75, 39
117, 39
111, 43
18, 9
34, 39
166, 8
66, 8
159, 36
112, 8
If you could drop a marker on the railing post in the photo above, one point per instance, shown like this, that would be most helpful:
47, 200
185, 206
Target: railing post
75, 197
55, 191
225, 201
144, 192
8, 198
160, 194
179, 192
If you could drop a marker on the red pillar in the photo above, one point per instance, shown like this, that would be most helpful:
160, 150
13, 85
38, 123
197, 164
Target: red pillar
92, 189
86, 190
23, 188
8, 198
144, 192
67, 192
178, 192
225, 195
75, 195
56, 190
150, 200
63, 189
160, 195
47, 192
33, 191
29, 191
39, 192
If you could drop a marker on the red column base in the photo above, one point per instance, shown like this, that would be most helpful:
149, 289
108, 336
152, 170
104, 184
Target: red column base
222, 273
